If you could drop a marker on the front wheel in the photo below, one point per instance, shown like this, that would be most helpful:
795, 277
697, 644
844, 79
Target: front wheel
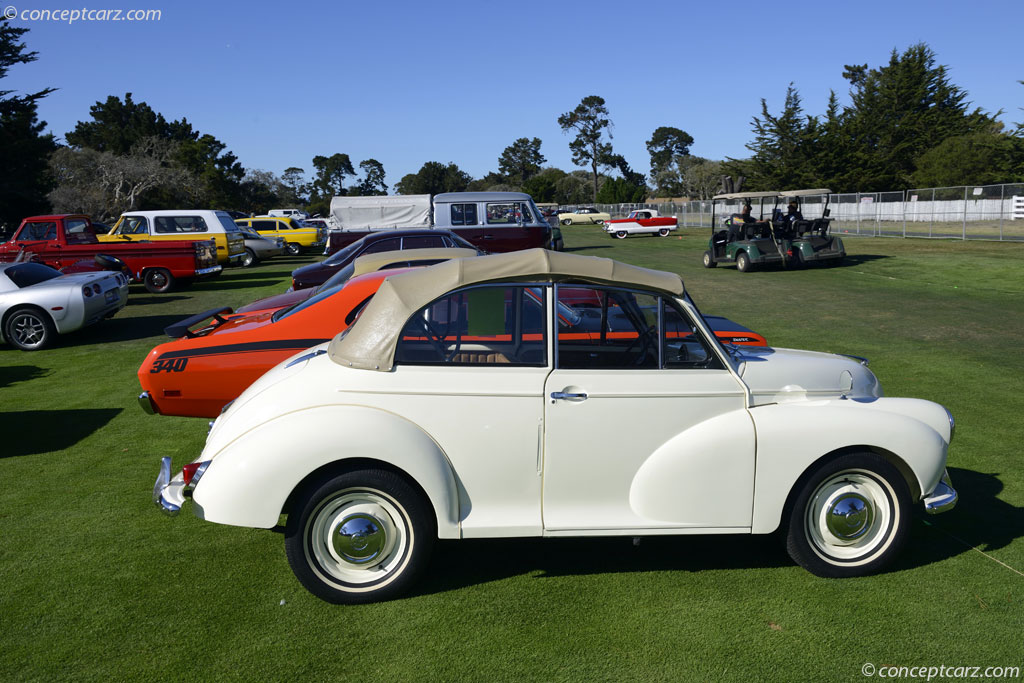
292, 249
743, 263
621, 234
158, 280
599, 221
663, 232
709, 260
851, 517
29, 329
361, 536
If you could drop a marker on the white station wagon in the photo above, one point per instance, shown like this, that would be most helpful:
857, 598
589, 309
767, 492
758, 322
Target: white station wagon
539, 393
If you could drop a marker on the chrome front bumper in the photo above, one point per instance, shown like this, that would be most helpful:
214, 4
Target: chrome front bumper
943, 498
168, 493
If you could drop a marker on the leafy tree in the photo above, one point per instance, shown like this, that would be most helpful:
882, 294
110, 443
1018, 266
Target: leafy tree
981, 158
492, 182
24, 148
373, 179
262, 191
118, 126
590, 122
899, 111
294, 178
666, 145
330, 173
521, 160
434, 178
781, 147
574, 188
543, 186
631, 187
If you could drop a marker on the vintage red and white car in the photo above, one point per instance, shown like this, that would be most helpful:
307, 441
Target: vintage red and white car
641, 222
456, 407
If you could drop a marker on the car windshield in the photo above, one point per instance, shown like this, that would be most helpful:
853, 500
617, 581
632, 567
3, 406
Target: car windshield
462, 242
321, 294
339, 278
342, 254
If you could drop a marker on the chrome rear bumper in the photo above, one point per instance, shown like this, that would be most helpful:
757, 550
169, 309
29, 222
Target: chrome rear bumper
943, 498
167, 492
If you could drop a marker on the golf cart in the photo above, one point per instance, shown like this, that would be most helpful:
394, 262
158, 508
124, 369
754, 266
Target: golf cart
810, 239
743, 239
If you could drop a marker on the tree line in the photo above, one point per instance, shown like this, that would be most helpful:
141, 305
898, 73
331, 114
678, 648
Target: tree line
906, 126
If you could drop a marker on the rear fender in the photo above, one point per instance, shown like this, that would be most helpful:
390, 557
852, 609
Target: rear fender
250, 480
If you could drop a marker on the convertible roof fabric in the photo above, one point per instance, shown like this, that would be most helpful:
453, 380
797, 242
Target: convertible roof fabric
369, 344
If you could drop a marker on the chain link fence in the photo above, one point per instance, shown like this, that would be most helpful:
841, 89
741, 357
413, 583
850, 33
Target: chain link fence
984, 212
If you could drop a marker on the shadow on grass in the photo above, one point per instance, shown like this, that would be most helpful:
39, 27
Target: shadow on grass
123, 329
242, 284
596, 246
458, 564
29, 432
20, 373
979, 520
140, 300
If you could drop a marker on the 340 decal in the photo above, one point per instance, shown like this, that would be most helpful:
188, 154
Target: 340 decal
169, 365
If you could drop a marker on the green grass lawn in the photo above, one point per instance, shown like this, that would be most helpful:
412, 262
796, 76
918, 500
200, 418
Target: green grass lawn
96, 584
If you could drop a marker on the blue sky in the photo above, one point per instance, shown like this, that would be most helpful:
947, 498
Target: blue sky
410, 82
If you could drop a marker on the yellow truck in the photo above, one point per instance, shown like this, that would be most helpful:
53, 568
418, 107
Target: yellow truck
181, 224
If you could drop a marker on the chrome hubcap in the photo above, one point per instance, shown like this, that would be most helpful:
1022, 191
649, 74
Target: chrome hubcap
849, 516
359, 539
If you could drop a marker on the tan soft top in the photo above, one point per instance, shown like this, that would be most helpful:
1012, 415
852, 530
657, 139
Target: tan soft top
372, 262
370, 343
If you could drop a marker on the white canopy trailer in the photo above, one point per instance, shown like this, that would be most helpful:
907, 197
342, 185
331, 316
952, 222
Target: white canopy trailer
380, 212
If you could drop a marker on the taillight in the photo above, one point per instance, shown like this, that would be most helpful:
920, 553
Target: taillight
86, 290
193, 472
96, 289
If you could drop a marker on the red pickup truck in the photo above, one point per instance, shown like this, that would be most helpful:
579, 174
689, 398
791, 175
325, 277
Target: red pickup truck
64, 239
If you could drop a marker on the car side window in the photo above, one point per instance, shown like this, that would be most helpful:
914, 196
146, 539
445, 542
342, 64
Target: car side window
179, 224
502, 213
494, 325
422, 242
616, 329
464, 214
265, 226
134, 225
390, 244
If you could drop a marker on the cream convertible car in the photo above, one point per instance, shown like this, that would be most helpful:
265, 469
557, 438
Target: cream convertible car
538, 393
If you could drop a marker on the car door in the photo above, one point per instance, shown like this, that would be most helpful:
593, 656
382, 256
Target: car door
469, 371
645, 425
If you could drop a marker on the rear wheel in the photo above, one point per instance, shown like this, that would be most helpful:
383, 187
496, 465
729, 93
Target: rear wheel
621, 234
29, 329
709, 260
663, 232
743, 263
158, 280
292, 249
850, 517
249, 258
360, 536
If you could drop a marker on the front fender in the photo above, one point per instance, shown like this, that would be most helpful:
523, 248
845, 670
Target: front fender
248, 482
793, 436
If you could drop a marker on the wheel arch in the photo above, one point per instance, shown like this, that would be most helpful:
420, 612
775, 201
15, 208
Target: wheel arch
256, 477
21, 307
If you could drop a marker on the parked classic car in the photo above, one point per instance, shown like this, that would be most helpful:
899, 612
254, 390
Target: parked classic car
296, 235
408, 258
259, 248
37, 302
316, 274
455, 407
180, 224
639, 222
586, 214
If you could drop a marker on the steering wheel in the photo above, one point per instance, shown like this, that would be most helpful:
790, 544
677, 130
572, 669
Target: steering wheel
435, 338
645, 340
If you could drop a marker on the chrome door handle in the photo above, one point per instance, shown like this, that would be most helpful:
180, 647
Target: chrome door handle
556, 395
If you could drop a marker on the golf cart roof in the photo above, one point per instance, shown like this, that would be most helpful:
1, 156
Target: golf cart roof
805, 193
746, 195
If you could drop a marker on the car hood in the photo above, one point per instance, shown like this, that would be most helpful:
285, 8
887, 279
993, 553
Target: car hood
777, 375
